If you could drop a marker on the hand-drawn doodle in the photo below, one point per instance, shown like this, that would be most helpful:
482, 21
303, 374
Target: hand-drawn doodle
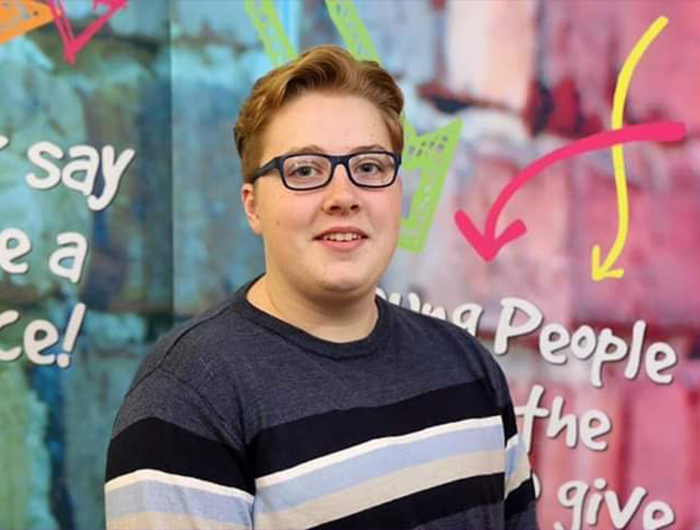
601, 272
429, 154
270, 31
71, 44
18, 17
487, 244
347, 21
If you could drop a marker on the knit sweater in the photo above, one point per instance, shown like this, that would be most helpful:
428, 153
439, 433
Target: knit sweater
237, 419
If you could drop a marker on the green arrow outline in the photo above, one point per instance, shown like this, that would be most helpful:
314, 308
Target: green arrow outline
431, 153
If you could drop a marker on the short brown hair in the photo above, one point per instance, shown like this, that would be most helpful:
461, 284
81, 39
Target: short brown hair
325, 68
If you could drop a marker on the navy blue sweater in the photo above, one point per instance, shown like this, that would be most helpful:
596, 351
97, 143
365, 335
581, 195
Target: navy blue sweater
237, 419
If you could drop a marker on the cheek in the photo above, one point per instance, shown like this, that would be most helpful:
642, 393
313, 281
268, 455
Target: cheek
392, 210
288, 217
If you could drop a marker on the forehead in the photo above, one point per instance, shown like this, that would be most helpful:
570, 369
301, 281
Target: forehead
336, 123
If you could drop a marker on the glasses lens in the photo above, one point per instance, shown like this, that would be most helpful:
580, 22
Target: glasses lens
306, 171
372, 169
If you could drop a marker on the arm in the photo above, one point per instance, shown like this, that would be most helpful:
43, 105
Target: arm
519, 491
520, 512
174, 463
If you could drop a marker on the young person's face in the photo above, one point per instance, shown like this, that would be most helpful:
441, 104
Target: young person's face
291, 222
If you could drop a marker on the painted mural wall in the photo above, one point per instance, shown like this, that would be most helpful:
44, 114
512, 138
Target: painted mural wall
551, 207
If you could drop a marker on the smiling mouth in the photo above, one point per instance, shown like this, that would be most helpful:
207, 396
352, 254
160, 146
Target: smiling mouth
341, 237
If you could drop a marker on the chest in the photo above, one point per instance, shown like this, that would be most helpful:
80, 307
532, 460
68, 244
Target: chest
389, 464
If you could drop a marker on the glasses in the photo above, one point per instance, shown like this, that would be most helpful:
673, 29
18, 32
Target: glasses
310, 171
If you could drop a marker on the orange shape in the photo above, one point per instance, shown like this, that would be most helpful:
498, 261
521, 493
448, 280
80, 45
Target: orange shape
18, 17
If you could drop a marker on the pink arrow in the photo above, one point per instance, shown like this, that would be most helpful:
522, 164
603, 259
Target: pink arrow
488, 245
71, 44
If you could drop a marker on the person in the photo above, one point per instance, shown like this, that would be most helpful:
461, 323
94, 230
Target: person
305, 400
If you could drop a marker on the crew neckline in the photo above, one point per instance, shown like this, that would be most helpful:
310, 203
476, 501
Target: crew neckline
374, 342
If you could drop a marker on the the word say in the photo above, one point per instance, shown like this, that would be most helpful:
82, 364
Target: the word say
80, 173
42, 334
574, 495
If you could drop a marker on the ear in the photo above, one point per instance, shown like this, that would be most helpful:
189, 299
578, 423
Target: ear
250, 206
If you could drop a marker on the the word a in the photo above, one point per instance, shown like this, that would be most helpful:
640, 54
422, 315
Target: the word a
66, 261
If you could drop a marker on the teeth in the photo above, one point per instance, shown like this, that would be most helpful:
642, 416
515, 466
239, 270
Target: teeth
347, 236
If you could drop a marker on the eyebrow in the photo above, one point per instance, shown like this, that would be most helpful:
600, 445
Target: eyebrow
312, 148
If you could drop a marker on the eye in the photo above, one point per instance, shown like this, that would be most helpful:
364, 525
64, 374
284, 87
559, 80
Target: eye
305, 168
303, 171
369, 167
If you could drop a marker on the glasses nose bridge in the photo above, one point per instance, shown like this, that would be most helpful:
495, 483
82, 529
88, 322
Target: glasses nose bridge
344, 161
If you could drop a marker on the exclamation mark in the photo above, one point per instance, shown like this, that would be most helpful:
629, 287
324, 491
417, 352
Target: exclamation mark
74, 324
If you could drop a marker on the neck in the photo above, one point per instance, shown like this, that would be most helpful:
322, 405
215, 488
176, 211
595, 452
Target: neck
333, 320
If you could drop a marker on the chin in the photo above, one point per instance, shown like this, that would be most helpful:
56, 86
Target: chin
345, 284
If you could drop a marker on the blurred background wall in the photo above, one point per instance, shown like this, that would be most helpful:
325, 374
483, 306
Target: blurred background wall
490, 86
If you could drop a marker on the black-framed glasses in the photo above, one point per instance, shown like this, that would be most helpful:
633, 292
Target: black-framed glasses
310, 171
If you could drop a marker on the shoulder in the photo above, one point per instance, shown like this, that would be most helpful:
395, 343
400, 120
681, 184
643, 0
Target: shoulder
190, 376
440, 335
181, 350
437, 330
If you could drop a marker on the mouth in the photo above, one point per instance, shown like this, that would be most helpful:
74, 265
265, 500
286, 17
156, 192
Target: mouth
341, 237
342, 240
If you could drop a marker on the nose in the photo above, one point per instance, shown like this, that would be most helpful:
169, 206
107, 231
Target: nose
341, 194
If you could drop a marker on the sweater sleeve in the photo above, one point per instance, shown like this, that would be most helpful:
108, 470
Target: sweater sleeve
173, 462
519, 491
520, 510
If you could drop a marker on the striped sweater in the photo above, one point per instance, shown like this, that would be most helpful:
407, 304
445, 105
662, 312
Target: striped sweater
238, 420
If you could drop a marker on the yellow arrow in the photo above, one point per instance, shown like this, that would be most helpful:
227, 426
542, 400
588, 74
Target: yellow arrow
601, 272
